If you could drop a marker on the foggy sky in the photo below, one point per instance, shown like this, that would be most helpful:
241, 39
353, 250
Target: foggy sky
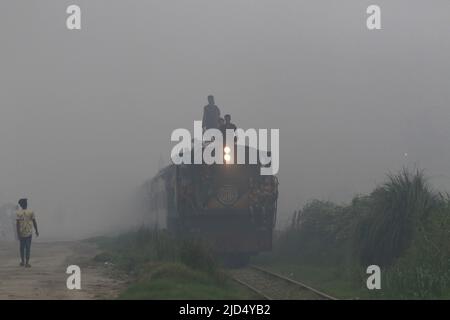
86, 115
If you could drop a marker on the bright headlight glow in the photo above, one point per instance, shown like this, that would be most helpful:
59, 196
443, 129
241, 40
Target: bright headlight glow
227, 149
227, 158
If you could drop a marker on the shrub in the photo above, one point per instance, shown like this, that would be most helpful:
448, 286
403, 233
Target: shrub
424, 270
397, 206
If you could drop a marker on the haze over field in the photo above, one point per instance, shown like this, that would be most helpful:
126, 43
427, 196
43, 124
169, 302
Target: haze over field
86, 115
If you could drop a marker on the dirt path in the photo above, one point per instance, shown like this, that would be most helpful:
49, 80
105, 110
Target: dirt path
46, 279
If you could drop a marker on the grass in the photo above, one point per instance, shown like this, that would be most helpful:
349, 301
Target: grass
402, 226
161, 266
177, 281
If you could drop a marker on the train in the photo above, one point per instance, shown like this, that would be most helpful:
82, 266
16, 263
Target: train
232, 207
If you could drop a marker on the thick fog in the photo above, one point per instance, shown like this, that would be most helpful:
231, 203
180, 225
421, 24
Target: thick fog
87, 115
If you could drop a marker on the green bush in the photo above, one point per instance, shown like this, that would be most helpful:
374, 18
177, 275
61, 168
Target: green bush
423, 272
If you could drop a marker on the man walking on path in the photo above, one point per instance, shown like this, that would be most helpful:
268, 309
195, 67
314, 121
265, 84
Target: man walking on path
25, 222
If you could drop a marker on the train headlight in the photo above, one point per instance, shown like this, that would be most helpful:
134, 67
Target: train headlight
227, 155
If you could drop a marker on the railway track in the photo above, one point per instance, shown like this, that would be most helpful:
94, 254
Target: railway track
272, 286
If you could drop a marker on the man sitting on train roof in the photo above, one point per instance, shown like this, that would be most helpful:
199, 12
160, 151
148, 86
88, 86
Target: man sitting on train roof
211, 115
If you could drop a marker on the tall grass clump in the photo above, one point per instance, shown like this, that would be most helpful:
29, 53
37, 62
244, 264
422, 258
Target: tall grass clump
321, 231
399, 207
423, 272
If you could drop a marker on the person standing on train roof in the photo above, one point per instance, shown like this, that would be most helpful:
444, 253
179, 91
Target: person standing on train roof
211, 115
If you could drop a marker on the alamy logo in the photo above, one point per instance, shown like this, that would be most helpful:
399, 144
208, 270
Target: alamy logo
74, 280
374, 280
374, 20
73, 21
214, 151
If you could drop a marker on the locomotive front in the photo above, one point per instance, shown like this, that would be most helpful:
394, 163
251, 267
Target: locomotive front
231, 206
